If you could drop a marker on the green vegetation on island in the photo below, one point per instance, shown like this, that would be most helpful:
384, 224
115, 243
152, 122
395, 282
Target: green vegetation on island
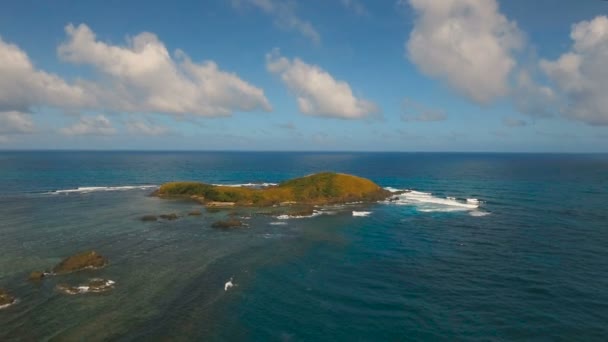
317, 189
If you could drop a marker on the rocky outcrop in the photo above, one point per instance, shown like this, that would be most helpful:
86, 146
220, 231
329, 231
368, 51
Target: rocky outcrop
6, 299
149, 218
228, 224
79, 262
36, 276
169, 217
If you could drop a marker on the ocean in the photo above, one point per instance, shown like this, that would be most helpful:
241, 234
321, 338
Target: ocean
485, 247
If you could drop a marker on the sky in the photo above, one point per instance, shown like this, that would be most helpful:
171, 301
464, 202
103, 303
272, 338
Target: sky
312, 75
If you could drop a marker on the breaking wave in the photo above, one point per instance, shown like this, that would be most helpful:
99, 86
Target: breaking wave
87, 189
427, 203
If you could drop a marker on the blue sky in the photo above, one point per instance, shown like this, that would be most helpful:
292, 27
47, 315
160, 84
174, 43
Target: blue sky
394, 75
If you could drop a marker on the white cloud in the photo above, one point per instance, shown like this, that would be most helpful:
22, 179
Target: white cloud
90, 125
533, 99
284, 13
581, 73
146, 127
413, 111
144, 77
468, 44
513, 122
317, 92
22, 86
14, 122
355, 6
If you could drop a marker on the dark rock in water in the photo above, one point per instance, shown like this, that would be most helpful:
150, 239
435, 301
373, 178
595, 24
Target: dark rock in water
228, 224
170, 217
80, 261
36, 276
6, 299
195, 213
149, 218
301, 212
95, 285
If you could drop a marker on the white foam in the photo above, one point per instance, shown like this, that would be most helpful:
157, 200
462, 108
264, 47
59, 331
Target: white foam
9, 304
391, 189
278, 223
81, 289
361, 213
289, 217
427, 203
87, 189
477, 213
228, 285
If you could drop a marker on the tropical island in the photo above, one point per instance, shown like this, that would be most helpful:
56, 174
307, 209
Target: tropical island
317, 189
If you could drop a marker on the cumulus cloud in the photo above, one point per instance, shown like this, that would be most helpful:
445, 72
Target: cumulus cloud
468, 44
513, 122
23, 86
355, 6
14, 122
144, 77
413, 111
90, 125
318, 93
146, 127
581, 73
285, 17
533, 99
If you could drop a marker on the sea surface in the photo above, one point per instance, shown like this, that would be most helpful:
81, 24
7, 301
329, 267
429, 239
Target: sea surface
485, 247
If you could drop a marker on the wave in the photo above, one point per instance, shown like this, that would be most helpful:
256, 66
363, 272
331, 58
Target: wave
361, 213
279, 223
289, 217
478, 213
94, 285
87, 189
426, 202
15, 301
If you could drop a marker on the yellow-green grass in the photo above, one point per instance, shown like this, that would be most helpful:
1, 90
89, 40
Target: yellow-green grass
316, 189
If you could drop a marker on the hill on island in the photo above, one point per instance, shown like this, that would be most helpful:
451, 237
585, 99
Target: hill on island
316, 189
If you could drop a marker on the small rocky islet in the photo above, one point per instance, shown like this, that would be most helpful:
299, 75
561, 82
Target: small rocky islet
89, 260
6, 299
324, 188
299, 196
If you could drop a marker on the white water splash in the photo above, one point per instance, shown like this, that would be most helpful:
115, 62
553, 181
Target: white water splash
88, 189
427, 203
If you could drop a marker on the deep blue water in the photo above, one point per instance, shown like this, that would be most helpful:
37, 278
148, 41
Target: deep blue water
530, 263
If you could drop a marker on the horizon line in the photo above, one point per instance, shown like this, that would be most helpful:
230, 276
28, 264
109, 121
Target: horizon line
295, 151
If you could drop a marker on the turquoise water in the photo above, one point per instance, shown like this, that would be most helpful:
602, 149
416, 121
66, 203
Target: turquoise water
530, 263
